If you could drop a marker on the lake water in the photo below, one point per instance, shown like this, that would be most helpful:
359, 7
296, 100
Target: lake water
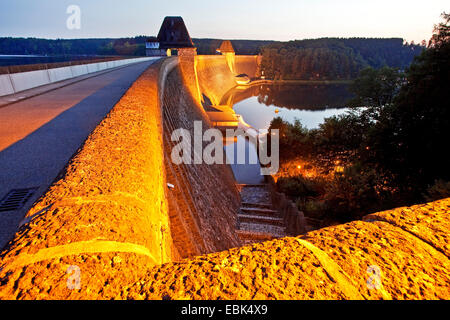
311, 104
258, 105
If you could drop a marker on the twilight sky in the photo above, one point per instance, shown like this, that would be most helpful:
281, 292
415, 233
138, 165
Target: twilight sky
226, 19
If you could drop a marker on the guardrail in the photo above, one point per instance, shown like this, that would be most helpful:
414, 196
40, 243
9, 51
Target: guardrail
16, 82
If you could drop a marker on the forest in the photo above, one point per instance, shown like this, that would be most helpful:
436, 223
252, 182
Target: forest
34, 46
389, 151
123, 46
320, 59
334, 58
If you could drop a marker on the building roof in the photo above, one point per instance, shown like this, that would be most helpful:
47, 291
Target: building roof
226, 46
151, 39
174, 34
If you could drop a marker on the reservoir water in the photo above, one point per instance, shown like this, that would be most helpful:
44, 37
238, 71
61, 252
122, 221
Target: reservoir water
258, 105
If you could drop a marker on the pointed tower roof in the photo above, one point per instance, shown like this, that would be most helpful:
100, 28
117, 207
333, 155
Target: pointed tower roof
174, 34
226, 46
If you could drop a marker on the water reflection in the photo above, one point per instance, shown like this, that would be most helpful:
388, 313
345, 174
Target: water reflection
311, 104
250, 172
258, 105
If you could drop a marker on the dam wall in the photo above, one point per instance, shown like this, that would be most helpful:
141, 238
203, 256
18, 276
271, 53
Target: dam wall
110, 214
111, 226
106, 216
205, 200
215, 78
397, 254
248, 65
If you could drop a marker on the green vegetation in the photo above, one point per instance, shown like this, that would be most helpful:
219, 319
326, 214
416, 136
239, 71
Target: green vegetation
393, 151
126, 46
334, 58
123, 46
321, 59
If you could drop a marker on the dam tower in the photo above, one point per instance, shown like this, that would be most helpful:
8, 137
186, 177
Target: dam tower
174, 38
227, 50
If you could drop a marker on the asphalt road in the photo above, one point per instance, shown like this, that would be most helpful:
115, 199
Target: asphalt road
38, 136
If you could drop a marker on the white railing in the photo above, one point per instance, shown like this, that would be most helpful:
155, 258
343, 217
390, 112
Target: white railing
17, 82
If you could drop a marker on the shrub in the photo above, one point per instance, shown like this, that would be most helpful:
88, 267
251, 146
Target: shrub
439, 190
299, 186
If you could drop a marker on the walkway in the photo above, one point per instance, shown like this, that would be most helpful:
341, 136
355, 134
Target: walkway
257, 221
38, 136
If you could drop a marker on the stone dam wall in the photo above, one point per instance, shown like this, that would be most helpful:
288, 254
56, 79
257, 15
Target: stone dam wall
215, 78
204, 203
111, 222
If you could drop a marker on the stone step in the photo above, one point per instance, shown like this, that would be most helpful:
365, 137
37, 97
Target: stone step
255, 197
252, 237
261, 229
260, 185
257, 205
247, 242
250, 218
259, 211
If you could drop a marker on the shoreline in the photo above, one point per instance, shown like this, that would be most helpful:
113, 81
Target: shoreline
306, 82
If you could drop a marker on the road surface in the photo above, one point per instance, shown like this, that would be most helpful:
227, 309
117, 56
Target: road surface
38, 136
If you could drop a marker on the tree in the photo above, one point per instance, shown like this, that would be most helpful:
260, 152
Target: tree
441, 34
375, 89
411, 138
332, 58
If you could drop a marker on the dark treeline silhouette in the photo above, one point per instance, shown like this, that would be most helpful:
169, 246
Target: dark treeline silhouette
334, 58
305, 97
29, 46
327, 58
393, 151
123, 46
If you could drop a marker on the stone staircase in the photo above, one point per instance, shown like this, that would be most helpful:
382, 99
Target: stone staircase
257, 220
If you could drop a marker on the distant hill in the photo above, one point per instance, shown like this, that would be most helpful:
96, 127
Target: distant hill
123, 46
334, 58
326, 58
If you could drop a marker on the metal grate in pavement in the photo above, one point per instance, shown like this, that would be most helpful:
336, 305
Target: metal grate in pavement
16, 199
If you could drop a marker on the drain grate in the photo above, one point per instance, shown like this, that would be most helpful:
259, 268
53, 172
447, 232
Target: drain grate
16, 199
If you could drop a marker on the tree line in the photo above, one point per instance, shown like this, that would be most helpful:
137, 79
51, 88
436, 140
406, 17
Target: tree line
394, 142
334, 58
35, 46
124, 46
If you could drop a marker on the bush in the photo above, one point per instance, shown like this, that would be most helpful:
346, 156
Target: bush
355, 193
299, 186
439, 190
315, 209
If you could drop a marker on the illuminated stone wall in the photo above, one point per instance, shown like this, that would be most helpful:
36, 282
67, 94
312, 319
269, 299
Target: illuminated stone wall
108, 223
398, 254
215, 78
107, 215
205, 201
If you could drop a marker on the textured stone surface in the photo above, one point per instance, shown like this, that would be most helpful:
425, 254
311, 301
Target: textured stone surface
107, 216
331, 263
421, 221
109, 205
215, 78
205, 201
